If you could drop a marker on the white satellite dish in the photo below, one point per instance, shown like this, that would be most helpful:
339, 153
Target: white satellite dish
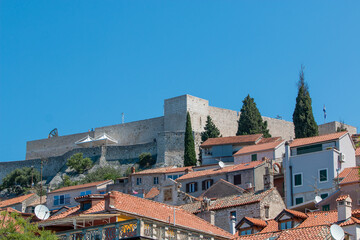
42, 212
221, 164
337, 232
317, 199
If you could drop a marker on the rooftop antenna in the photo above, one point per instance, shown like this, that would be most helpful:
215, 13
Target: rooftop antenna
337, 232
122, 118
42, 212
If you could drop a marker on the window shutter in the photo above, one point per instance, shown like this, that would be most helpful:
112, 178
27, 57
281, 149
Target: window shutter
195, 186
187, 187
211, 182
203, 185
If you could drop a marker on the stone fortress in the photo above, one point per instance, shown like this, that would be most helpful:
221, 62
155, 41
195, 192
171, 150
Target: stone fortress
163, 137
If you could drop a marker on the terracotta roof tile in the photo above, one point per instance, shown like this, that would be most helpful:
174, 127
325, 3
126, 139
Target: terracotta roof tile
165, 170
269, 140
163, 212
342, 197
16, 200
256, 222
357, 152
318, 139
152, 193
349, 175
350, 221
242, 139
320, 218
258, 148
272, 226
296, 213
227, 202
215, 171
93, 184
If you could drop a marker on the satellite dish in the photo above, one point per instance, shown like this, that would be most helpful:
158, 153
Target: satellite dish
42, 212
337, 232
317, 199
221, 164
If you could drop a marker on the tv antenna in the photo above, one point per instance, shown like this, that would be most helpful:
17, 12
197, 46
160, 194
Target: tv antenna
122, 118
42, 212
337, 232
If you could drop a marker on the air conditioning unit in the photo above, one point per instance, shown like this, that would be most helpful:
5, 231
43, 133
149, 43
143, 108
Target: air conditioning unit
341, 157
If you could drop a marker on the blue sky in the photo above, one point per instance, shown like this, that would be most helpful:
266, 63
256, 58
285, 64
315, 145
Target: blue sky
77, 65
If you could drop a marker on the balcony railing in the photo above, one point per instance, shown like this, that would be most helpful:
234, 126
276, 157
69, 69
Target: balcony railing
131, 229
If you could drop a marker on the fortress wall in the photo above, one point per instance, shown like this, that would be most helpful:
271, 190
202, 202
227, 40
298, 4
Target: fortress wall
199, 110
129, 152
132, 133
170, 148
282, 128
175, 114
225, 120
331, 127
54, 146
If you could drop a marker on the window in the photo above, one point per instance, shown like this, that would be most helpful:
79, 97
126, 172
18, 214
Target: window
233, 214
206, 184
326, 207
324, 195
191, 187
267, 211
85, 193
156, 180
86, 206
309, 149
323, 176
286, 225
173, 177
237, 179
253, 157
138, 181
245, 232
61, 199
168, 194
298, 179
299, 200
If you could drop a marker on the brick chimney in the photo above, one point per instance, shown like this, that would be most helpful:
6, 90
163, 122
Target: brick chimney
109, 201
344, 204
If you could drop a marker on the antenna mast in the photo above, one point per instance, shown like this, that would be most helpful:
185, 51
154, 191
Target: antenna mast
122, 118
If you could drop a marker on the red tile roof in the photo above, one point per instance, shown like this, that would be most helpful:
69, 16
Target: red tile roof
164, 213
296, 213
350, 221
165, 170
16, 200
242, 139
256, 222
342, 197
269, 140
320, 218
152, 193
318, 139
349, 175
87, 185
215, 171
258, 148
357, 152
227, 202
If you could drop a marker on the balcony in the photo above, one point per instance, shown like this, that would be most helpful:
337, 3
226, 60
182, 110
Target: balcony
131, 229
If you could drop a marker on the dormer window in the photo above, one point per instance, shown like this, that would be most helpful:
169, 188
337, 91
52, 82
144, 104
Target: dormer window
290, 218
286, 225
85, 206
246, 232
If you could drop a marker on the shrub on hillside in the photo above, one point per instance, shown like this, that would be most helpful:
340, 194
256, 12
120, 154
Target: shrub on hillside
79, 163
102, 173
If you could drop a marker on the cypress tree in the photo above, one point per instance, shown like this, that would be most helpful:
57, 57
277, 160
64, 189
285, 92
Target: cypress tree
211, 131
250, 121
189, 153
303, 118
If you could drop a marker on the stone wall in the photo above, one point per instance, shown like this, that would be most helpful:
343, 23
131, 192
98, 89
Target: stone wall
331, 127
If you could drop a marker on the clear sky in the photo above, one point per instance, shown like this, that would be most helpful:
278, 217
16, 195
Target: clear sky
77, 65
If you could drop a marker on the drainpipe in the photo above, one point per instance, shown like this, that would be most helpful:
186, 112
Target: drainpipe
291, 186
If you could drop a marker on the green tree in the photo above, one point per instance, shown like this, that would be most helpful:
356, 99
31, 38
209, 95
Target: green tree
15, 227
189, 153
146, 160
20, 179
79, 163
303, 118
250, 121
342, 127
102, 173
211, 131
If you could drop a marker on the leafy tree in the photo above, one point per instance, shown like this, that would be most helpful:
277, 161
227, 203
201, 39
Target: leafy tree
342, 127
303, 118
145, 160
19, 180
250, 121
189, 153
102, 173
15, 227
211, 131
79, 163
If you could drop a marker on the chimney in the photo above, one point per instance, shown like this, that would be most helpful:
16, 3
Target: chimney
132, 169
344, 204
232, 225
208, 216
109, 201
